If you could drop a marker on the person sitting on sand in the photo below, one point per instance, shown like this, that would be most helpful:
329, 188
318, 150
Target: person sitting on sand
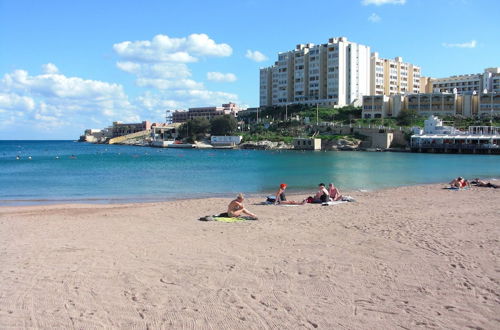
482, 183
236, 208
281, 198
322, 196
459, 183
334, 193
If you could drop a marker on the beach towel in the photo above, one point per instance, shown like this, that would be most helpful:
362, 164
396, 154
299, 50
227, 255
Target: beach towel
333, 203
225, 219
456, 188
272, 203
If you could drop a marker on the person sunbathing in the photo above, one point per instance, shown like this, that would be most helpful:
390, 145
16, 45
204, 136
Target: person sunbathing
334, 193
236, 208
281, 198
482, 183
459, 183
322, 196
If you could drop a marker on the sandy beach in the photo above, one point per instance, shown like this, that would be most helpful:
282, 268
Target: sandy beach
409, 257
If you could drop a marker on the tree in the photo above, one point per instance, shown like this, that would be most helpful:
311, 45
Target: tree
195, 129
199, 126
408, 118
223, 125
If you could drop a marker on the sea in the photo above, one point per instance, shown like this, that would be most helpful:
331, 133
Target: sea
45, 172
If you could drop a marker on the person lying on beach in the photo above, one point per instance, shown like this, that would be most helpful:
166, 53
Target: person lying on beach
281, 198
236, 208
334, 193
322, 196
459, 183
482, 183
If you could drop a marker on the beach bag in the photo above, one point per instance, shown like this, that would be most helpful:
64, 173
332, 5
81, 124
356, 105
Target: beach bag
271, 199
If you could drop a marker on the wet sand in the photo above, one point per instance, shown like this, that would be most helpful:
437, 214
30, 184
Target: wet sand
409, 257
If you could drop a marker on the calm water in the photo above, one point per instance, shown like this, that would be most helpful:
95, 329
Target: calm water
104, 173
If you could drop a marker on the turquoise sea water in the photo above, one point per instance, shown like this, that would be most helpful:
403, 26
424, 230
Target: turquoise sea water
109, 173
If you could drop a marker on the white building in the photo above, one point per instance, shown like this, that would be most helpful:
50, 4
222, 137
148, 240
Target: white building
336, 73
438, 138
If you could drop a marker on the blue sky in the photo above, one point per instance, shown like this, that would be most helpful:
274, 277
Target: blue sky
70, 65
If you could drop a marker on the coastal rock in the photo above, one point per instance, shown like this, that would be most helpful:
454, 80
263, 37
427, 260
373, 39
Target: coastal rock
341, 144
265, 145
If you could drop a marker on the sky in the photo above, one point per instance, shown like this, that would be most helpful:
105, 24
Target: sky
66, 66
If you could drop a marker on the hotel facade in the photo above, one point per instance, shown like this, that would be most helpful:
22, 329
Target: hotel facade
488, 81
471, 95
336, 73
437, 104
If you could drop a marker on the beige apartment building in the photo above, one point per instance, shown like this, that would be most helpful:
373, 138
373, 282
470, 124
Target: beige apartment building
393, 76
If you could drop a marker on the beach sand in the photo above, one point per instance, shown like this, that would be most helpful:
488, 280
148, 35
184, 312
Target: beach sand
409, 257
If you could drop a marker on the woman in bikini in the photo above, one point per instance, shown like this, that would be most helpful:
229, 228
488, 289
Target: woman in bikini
281, 198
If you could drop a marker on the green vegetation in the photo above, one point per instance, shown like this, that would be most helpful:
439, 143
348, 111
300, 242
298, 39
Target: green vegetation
198, 128
345, 115
267, 135
462, 122
223, 125
272, 125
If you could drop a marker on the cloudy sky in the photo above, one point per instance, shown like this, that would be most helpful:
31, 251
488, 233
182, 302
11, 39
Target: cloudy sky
70, 65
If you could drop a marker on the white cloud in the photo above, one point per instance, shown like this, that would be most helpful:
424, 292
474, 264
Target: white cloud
383, 2
255, 56
162, 48
184, 99
59, 86
470, 44
221, 77
169, 84
52, 99
11, 101
162, 65
374, 18
50, 68
156, 70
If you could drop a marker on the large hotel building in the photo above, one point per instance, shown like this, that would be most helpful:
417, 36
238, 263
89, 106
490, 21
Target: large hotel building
342, 72
337, 73
469, 95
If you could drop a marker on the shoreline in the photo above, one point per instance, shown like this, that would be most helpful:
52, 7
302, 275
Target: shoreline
397, 257
116, 200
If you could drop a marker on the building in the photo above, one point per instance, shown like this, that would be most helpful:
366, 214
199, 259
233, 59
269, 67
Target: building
438, 138
94, 135
225, 141
390, 77
382, 106
425, 85
488, 81
438, 104
180, 116
307, 144
336, 73
120, 129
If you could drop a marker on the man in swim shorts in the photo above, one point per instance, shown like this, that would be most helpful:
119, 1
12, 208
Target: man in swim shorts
236, 208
